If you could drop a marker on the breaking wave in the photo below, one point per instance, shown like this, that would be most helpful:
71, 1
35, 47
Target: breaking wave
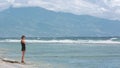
77, 41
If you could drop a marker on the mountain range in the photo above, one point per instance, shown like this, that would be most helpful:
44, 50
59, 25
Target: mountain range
40, 22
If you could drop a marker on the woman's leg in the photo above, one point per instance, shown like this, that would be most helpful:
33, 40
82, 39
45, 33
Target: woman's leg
23, 54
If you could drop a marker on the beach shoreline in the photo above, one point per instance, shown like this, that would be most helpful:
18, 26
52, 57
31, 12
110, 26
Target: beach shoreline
4, 64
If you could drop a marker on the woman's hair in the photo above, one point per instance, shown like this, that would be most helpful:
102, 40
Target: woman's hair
23, 36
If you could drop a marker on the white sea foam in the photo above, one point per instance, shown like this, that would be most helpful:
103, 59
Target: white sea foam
110, 41
10, 40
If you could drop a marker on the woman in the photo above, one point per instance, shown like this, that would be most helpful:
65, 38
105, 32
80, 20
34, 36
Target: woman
23, 48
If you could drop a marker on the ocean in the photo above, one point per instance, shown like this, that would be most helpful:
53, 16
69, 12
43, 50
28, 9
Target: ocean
64, 52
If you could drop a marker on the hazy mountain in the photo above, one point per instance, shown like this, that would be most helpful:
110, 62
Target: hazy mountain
42, 22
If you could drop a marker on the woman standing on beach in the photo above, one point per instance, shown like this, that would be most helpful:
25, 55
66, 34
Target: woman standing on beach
23, 48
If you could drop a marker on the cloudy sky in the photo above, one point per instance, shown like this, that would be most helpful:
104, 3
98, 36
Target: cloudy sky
109, 9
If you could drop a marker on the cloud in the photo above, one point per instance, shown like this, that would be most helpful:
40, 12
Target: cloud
112, 3
76, 7
113, 7
4, 6
109, 9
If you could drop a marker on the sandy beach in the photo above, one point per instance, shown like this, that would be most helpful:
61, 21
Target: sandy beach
9, 63
12, 65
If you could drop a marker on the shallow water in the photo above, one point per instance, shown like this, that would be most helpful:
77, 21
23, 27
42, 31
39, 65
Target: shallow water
56, 55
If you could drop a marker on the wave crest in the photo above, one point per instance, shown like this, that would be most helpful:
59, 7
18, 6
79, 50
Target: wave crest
110, 41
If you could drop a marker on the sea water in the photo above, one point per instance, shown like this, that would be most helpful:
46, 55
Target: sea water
72, 52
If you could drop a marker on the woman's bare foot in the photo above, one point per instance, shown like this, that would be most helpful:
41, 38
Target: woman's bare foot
23, 62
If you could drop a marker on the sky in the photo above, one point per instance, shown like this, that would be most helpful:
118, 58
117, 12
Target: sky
108, 9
